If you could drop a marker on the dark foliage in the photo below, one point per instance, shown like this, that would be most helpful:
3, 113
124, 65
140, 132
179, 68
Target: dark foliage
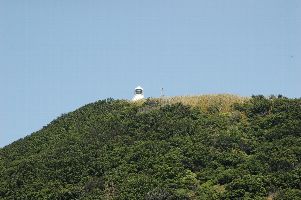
114, 149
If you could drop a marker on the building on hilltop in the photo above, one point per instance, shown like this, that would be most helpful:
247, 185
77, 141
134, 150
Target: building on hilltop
138, 94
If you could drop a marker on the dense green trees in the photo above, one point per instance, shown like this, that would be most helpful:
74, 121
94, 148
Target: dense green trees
114, 149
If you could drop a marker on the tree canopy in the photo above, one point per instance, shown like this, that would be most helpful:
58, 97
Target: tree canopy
115, 149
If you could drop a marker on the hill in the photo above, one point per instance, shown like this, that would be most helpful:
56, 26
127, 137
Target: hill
204, 147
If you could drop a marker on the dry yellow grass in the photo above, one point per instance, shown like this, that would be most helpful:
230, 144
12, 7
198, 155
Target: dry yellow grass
271, 196
218, 102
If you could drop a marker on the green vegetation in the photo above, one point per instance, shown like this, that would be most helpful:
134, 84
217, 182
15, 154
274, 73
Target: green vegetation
207, 147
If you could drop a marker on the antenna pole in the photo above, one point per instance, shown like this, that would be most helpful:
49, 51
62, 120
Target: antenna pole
162, 92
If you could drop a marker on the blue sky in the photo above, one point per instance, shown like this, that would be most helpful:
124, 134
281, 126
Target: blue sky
58, 55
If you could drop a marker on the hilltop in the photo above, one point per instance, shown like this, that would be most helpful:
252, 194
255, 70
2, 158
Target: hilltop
198, 147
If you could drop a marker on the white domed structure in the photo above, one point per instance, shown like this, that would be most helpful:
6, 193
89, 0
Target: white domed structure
138, 94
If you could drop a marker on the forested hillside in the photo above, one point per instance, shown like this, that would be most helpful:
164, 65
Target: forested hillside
210, 147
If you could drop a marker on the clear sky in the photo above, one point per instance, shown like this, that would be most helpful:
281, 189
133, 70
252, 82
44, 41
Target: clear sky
58, 55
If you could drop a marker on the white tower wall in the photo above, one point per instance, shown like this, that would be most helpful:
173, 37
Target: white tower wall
138, 94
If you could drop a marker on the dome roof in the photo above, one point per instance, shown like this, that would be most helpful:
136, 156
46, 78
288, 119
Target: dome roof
139, 87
